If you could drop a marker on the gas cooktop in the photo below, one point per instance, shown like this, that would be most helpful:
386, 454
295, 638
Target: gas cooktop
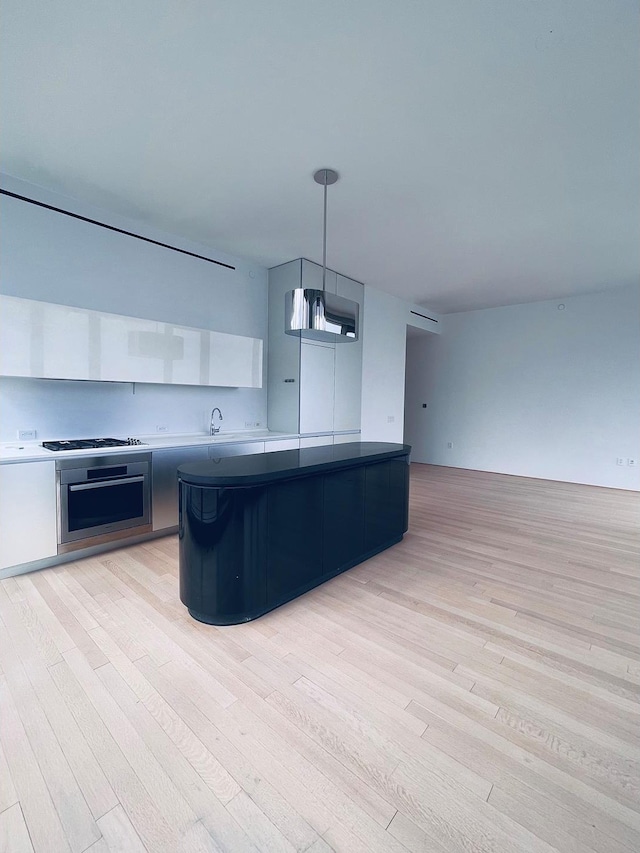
90, 443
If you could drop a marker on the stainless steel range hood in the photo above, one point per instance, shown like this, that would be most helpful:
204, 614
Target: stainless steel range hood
320, 316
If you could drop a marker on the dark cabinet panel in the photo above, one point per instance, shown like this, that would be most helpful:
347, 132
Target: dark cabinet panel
343, 542
222, 540
385, 503
294, 536
247, 548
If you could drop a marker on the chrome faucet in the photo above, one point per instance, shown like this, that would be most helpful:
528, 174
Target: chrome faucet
214, 430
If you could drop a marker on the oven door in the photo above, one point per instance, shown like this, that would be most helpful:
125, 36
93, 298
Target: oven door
103, 502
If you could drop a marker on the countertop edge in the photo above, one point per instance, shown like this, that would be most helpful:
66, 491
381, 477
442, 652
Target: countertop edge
190, 477
33, 452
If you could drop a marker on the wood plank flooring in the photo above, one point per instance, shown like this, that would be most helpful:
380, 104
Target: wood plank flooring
474, 689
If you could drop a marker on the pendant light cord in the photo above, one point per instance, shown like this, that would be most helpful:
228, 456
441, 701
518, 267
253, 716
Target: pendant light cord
324, 237
325, 177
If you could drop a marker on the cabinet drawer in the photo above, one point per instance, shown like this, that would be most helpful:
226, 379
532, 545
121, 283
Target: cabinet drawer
281, 444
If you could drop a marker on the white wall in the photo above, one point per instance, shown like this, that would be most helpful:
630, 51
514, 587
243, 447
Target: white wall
383, 362
51, 257
532, 390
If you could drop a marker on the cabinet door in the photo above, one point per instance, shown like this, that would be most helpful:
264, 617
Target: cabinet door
222, 553
347, 438
283, 353
235, 361
281, 444
316, 441
294, 537
27, 512
385, 503
164, 468
41, 339
348, 366
316, 388
343, 542
129, 351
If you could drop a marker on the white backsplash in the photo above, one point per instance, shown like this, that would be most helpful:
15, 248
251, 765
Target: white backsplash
69, 409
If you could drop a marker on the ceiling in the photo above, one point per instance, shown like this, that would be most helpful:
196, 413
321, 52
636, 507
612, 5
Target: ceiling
488, 151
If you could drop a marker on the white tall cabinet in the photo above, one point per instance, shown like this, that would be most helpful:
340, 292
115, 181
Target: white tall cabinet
317, 382
348, 366
314, 386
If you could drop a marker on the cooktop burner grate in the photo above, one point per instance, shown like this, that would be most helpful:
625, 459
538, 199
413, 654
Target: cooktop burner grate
90, 443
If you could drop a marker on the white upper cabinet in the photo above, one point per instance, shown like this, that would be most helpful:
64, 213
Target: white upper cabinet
39, 339
235, 360
66, 341
50, 341
129, 350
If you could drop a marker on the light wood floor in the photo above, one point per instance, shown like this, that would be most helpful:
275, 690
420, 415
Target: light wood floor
475, 688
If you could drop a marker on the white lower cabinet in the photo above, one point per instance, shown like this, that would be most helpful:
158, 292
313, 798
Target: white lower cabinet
27, 512
347, 438
281, 444
316, 440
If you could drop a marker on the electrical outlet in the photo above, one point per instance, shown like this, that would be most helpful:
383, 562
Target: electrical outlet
391, 419
619, 460
26, 434
449, 444
162, 428
631, 462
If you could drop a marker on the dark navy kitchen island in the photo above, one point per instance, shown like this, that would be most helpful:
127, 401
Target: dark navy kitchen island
256, 531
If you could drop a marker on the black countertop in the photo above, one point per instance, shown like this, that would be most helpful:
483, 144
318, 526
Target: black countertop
259, 468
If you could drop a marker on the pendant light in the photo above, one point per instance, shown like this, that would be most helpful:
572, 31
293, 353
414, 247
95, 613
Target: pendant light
315, 314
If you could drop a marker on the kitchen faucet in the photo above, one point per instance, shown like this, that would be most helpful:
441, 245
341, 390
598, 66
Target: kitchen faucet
214, 430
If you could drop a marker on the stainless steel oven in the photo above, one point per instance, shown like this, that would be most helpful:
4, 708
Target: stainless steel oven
102, 498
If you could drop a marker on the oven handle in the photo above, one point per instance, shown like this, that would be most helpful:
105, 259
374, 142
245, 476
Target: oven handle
79, 487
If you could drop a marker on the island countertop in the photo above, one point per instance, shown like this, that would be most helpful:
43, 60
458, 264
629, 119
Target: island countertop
258, 469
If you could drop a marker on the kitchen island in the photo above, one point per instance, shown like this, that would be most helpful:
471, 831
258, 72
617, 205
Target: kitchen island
257, 531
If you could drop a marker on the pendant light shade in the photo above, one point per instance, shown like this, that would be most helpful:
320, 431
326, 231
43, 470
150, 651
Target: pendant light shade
315, 314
